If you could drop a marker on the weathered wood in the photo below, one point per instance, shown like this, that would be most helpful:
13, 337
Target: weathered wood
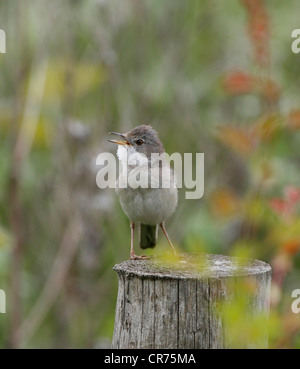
184, 305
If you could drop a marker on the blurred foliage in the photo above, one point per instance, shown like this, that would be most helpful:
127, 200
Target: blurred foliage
210, 76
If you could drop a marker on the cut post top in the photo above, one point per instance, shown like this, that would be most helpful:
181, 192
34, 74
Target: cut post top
193, 266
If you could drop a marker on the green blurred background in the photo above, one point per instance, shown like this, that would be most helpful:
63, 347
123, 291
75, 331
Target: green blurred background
213, 77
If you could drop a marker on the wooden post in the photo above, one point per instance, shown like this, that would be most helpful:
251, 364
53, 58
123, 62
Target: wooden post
201, 301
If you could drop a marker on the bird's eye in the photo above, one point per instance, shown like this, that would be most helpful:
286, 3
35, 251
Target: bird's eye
139, 142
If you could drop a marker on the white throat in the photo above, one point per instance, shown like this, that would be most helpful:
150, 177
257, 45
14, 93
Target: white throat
129, 156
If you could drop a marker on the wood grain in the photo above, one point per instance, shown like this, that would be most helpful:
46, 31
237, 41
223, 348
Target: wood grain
180, 305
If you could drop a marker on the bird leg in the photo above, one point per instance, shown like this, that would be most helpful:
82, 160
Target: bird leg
133, 255
162, 225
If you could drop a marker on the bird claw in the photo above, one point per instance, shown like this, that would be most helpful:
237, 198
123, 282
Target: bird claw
138, 257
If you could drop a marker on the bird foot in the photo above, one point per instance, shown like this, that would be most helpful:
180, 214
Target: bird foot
138, 257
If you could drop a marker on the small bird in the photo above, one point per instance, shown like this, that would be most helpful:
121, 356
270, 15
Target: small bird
150, 206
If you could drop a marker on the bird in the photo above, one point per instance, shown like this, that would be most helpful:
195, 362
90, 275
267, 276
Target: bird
150, 204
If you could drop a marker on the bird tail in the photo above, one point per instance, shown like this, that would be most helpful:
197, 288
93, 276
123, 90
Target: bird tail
148, 236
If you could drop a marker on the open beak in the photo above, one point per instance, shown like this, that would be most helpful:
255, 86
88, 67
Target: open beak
119, 142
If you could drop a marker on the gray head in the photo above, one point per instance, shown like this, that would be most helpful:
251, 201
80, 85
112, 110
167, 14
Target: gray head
144, 139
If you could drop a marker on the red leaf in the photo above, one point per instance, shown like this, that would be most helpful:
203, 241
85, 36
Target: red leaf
291, 247
294, 120
279, 206
238, 83
258, 30
292, 194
